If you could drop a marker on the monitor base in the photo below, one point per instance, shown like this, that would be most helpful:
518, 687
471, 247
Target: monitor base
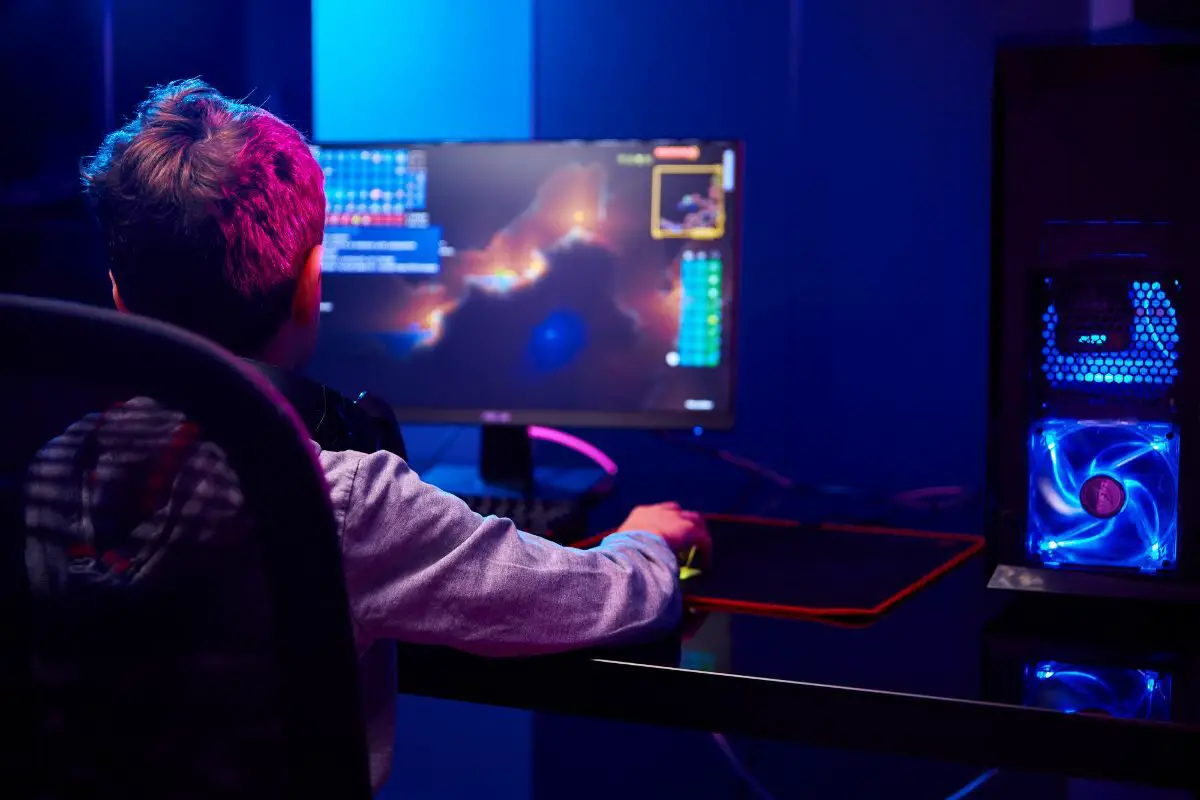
548, 501
506, 458
549, 483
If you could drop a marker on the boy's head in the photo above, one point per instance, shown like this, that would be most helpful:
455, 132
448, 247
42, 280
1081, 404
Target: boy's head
213, 213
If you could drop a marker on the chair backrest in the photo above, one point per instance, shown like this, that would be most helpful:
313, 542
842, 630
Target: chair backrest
234, 609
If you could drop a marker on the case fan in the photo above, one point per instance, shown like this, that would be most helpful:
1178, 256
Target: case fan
1104, 494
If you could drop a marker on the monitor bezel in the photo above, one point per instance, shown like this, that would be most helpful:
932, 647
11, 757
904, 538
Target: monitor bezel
722, 419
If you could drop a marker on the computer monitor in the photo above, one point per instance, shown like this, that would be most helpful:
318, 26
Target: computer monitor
549, 283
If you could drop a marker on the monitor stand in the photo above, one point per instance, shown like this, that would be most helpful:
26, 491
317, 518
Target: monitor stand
506, 469
506, 459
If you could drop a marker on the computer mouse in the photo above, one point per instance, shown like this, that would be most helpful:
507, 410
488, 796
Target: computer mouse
687, 567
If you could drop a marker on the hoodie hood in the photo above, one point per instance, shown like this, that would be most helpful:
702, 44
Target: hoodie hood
127, 496
152, 621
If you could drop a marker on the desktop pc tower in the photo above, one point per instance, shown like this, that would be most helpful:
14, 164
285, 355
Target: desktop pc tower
1093, 460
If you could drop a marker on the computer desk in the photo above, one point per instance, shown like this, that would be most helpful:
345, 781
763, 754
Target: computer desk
940, 677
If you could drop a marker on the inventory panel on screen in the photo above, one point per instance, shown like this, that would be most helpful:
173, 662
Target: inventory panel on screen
372, 197
700, 309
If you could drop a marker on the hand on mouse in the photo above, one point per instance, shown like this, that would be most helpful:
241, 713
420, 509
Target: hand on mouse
682, 530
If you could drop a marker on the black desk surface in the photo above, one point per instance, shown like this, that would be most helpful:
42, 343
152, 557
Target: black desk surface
955, 673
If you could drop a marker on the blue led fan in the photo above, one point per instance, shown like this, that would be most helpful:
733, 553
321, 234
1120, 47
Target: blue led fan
1104, 494
1112, 691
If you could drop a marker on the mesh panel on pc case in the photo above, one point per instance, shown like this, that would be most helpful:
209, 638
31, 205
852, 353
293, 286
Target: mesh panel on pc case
1104, 455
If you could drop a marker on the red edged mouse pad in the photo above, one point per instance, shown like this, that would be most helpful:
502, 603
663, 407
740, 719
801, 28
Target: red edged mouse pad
768, 566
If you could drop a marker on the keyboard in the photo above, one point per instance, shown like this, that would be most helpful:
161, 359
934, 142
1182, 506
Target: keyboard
561, 520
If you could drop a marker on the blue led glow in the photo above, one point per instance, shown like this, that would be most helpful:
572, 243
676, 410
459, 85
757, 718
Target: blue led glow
1118, 692
1133, 524
360, 48
1153, 344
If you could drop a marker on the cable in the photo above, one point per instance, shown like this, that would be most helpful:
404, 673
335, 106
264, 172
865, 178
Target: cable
767, 475
441, 450
933, 499
745, 495
744, 774
750, 762
585, 449
973, 785
757, 469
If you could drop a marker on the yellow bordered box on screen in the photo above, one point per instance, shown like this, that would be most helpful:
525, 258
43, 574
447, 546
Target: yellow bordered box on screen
707, 233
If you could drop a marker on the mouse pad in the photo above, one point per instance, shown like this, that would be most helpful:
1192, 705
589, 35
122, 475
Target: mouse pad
782, 567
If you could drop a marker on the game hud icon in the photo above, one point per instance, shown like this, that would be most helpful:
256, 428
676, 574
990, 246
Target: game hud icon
687, 202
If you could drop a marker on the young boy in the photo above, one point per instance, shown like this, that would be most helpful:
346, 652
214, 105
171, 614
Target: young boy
213, 213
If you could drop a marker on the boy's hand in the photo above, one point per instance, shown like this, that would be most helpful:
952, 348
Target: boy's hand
682, 530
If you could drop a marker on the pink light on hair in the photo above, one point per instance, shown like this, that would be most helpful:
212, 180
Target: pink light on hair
209, 207
570, 442
273, 203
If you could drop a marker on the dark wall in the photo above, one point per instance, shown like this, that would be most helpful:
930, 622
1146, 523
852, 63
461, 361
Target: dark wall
157, 42
53, 77
1174, 13
52, 88
277, 37
866, 217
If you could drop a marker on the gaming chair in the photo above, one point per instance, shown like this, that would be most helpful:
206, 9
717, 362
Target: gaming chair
73, 362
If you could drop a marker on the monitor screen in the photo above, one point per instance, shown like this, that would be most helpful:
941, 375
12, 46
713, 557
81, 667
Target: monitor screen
588, 283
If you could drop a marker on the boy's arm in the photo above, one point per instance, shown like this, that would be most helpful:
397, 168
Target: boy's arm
422, 567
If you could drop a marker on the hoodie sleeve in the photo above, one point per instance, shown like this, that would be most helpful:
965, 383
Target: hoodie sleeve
424, 568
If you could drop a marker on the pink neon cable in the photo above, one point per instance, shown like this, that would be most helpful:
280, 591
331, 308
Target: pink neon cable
570, 442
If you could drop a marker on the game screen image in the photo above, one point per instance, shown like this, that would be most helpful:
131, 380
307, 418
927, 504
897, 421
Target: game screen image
468, 280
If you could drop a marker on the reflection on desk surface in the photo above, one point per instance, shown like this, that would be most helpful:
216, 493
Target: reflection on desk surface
963, 642
958, 673
1121, 692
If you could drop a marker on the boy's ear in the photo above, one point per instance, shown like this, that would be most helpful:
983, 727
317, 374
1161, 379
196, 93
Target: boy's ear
116, 294
306, 304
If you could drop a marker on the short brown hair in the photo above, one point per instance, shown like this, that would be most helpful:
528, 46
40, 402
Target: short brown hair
209, 207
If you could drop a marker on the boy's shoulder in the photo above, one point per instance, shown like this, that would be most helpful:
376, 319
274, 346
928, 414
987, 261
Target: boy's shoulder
375, 486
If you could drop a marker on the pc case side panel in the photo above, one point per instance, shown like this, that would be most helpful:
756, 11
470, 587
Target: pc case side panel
1089, 143
1014, 251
